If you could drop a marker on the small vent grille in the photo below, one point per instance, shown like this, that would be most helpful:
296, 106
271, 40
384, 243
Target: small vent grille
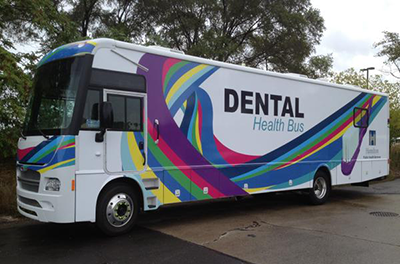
384, 214
28, 211
28, 201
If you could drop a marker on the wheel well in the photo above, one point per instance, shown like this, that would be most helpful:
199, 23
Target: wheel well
124, 180
327, 172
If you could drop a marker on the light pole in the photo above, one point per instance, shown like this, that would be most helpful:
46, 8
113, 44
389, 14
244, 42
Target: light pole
367, 70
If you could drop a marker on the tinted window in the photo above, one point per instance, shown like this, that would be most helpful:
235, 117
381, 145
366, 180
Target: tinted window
55, 88
118, 80
90, 118
127, 112
360, 117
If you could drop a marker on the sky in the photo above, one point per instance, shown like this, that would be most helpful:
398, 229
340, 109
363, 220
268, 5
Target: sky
352, 27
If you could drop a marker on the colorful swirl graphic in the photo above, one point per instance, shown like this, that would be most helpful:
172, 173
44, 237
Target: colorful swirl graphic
56, 152
192, 158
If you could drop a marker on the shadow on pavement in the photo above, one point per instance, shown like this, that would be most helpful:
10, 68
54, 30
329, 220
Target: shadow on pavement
33, 242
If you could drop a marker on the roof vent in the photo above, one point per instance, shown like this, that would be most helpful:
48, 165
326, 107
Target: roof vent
167, 49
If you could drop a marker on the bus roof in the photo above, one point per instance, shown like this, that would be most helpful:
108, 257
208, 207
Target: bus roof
91, 46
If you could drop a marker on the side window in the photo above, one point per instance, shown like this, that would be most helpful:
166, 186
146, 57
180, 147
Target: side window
134, 113
90, 118
128, 112
360, 117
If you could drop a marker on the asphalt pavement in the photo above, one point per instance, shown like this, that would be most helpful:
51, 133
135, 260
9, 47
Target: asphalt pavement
357, 225
32, 243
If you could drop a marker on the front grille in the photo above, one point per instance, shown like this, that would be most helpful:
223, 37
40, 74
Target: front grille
28, 201
29, 180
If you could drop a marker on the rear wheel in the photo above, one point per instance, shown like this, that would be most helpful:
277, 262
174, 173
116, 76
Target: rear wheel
321, 189
117, 210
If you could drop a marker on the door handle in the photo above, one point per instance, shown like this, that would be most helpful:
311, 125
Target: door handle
141, 147
157, 123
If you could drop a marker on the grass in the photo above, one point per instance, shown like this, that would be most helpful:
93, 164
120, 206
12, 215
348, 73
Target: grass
8, 203
8, 200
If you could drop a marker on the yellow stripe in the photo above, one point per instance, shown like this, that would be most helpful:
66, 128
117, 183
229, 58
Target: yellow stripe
197, 133
73, 146
182, 80
253, 190
163, 193
376, 99
168, 196
134, 151
92, 42
185, 104
55, 165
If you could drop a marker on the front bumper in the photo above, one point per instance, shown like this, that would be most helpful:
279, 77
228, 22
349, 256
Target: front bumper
42, 207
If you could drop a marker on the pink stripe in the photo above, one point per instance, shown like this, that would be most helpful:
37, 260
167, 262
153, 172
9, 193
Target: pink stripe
200, 113
195, 178
167, 65
21, 153
66, 146
231, 156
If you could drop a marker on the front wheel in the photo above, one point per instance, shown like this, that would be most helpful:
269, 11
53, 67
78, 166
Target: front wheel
321, 190
117, 210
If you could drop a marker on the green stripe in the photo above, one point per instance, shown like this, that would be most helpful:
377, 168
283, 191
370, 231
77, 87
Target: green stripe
171, 72
177, 174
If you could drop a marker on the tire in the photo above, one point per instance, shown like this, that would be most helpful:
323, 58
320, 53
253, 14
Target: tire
321, 190
117, 210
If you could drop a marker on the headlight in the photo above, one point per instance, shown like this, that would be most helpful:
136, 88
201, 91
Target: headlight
53, 184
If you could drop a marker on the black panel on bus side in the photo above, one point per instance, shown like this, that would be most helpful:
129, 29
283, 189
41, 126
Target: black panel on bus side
118, 80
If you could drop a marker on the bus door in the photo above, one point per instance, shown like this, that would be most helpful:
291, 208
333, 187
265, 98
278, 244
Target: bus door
126, 140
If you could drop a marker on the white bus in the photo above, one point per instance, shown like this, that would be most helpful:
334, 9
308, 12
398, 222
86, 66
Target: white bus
114, 128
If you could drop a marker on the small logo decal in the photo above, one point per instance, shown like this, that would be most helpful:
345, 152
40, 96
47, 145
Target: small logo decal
372, 138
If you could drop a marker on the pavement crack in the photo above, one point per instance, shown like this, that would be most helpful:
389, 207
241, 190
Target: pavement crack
247, 228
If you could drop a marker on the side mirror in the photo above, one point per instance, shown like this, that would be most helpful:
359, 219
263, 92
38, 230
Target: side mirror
106, 120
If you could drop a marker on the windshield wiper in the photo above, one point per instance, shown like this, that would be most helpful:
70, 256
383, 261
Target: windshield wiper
41, 132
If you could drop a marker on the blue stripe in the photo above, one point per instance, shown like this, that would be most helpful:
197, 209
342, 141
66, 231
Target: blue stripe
178, 74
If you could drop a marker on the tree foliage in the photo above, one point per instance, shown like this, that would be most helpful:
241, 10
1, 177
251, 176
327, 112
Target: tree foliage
277, 35
269, 34
20, 21
376, 83
390, 48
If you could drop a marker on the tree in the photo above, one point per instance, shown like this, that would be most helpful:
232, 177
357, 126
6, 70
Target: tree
20, 21
276, 35
390, 48
122, 20
376, 83
319, 66
84, 19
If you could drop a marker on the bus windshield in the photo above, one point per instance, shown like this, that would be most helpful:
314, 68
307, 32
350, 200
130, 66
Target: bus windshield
54, 94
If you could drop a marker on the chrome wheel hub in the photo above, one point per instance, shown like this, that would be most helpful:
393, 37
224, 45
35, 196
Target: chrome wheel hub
119, 210
320, 187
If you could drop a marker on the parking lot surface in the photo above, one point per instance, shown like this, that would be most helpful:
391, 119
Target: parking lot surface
357, 225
